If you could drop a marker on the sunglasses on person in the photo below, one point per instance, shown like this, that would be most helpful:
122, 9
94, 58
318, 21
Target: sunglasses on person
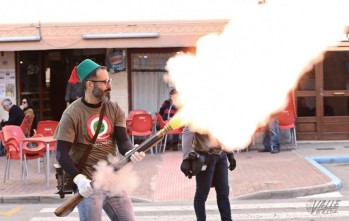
24, 102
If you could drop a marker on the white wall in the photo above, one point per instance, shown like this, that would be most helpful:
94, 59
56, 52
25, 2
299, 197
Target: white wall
119, 92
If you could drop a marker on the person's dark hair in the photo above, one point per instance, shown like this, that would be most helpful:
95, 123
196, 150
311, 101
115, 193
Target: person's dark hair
29, 103
173, 91
92, 75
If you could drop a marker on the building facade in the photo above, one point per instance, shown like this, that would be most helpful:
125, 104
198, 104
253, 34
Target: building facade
40, 57
36, 61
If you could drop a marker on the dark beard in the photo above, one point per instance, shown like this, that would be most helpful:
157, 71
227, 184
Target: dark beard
100, 94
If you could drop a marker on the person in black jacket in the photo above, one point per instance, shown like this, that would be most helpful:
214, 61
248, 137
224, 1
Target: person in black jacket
15, 113
213, 174
167, 111
74, 88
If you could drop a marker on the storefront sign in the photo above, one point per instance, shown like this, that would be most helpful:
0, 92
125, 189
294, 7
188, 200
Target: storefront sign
116, 61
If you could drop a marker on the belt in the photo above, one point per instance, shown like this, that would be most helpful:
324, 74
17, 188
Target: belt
208, 155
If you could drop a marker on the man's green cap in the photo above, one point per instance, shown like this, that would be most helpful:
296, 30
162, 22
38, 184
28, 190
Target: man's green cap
85, 68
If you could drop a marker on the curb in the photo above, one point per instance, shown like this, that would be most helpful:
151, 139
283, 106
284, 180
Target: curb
288, 193
140, 200
318, 160
31, 199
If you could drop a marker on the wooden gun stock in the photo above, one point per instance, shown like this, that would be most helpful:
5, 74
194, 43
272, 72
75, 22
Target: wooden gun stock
68, 206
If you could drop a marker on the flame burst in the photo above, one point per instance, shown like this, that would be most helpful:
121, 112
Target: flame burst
237, 79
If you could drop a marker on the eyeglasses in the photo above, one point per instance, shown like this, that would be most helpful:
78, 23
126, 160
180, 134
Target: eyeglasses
24, 102
104, 81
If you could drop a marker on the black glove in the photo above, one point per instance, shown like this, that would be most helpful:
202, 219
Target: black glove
185, 168
232, 161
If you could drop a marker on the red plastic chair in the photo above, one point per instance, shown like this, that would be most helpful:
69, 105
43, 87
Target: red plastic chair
26, 126
47, 128
287, 118
132, 113
162, 123
141, 125
11, 137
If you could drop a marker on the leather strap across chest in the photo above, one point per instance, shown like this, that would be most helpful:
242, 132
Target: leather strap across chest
88, 151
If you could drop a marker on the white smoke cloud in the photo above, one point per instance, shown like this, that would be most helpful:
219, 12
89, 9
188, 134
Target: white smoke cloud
105, 178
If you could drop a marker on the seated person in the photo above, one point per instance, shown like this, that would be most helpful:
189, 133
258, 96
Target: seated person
15, 113
29, 110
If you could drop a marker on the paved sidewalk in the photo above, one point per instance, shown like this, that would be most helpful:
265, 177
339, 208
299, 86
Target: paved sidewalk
258, 175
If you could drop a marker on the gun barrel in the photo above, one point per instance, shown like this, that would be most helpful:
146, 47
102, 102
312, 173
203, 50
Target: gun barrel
144, 146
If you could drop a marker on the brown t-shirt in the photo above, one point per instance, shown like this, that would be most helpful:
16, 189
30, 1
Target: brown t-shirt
78, 125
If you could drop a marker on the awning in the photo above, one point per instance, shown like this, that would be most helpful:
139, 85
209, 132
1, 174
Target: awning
19, 37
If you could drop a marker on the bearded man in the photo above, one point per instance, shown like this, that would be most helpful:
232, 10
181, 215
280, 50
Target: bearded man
75, 133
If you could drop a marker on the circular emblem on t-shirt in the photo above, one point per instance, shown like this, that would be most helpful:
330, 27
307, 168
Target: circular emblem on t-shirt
104, 132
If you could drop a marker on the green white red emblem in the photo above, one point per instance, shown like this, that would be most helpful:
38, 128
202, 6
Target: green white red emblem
104, 132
